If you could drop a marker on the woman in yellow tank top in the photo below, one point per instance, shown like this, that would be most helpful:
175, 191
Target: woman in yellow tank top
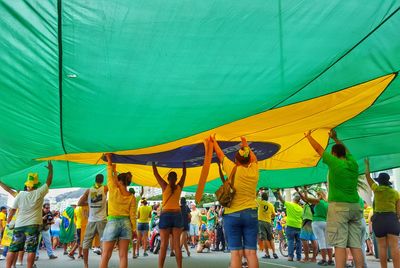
171, 221
121, 216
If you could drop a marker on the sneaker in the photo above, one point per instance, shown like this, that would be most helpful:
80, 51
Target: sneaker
145, 254
97, 251
65, 253
2, 258
322, 263
18, 263
266, 256
52, 257
134, 256
290, 259
331, 263
275, 256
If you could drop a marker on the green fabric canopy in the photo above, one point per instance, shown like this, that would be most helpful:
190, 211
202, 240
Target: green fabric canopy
105, 76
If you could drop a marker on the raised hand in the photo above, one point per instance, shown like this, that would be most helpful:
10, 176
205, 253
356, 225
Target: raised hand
49, 165
333, 134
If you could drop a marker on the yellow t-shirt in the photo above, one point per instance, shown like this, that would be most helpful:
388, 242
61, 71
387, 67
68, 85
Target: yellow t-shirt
3, 219
78, 217
245, 184
366, 214
171, 201
144, 214
120, 204
265, 210
385, 198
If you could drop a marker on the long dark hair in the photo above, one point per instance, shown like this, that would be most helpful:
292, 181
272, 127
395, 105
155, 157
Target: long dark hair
172, 176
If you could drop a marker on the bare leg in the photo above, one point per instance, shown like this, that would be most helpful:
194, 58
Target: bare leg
306, 250
176, 234
340, 257
323, 254
30, 260
11, 256
394, 249
108, 247
330, 254
164, 236
236, 259
251, 256
144, 239
357, 257
140, 234
85, 252
315, 250
123, 253
266, 246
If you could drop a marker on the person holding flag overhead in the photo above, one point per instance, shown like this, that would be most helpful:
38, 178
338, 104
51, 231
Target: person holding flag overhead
29, 204
240, 218
121, 215
343, 224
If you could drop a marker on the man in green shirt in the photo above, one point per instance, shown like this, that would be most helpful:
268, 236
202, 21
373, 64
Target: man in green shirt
344, 226
294, 220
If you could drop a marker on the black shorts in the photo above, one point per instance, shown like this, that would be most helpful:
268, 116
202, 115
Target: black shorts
385, 223
169, 220
78, 236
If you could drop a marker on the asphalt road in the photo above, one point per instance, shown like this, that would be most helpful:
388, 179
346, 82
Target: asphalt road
202, 260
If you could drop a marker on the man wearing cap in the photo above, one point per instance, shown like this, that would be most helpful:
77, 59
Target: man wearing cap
29, 203
144, 217
343, 224
96, 199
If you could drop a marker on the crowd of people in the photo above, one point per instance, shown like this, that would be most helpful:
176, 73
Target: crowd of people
332, 221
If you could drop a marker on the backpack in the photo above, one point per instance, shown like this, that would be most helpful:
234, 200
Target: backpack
226, 192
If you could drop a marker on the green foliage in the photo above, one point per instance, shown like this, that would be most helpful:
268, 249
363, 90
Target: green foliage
206, 198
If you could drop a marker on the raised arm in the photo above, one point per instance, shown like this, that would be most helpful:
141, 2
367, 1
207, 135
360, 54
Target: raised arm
8, 189
317, 147
253, 157
111, 171
217, 149
50, 175
279, 196
333, 136
141, 191
368, 173
221, 173
160, 180
304, 196
83, 201
183, 178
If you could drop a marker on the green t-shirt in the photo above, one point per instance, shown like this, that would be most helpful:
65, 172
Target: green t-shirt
385, 198
343, 178
320, 211
307, 213
294, 214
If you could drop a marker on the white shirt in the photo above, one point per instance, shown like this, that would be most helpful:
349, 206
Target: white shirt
97, 201
29, 205
56, 225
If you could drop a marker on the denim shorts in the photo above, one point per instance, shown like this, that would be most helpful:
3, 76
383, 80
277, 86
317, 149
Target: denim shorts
193, 230
170, 220
55, 233
143, 227
117, 229
241, 229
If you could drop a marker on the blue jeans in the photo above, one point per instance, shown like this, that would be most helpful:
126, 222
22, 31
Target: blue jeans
241, 229
47, 243
293, 236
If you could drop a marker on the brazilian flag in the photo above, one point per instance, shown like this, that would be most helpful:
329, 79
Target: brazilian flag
67, 227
